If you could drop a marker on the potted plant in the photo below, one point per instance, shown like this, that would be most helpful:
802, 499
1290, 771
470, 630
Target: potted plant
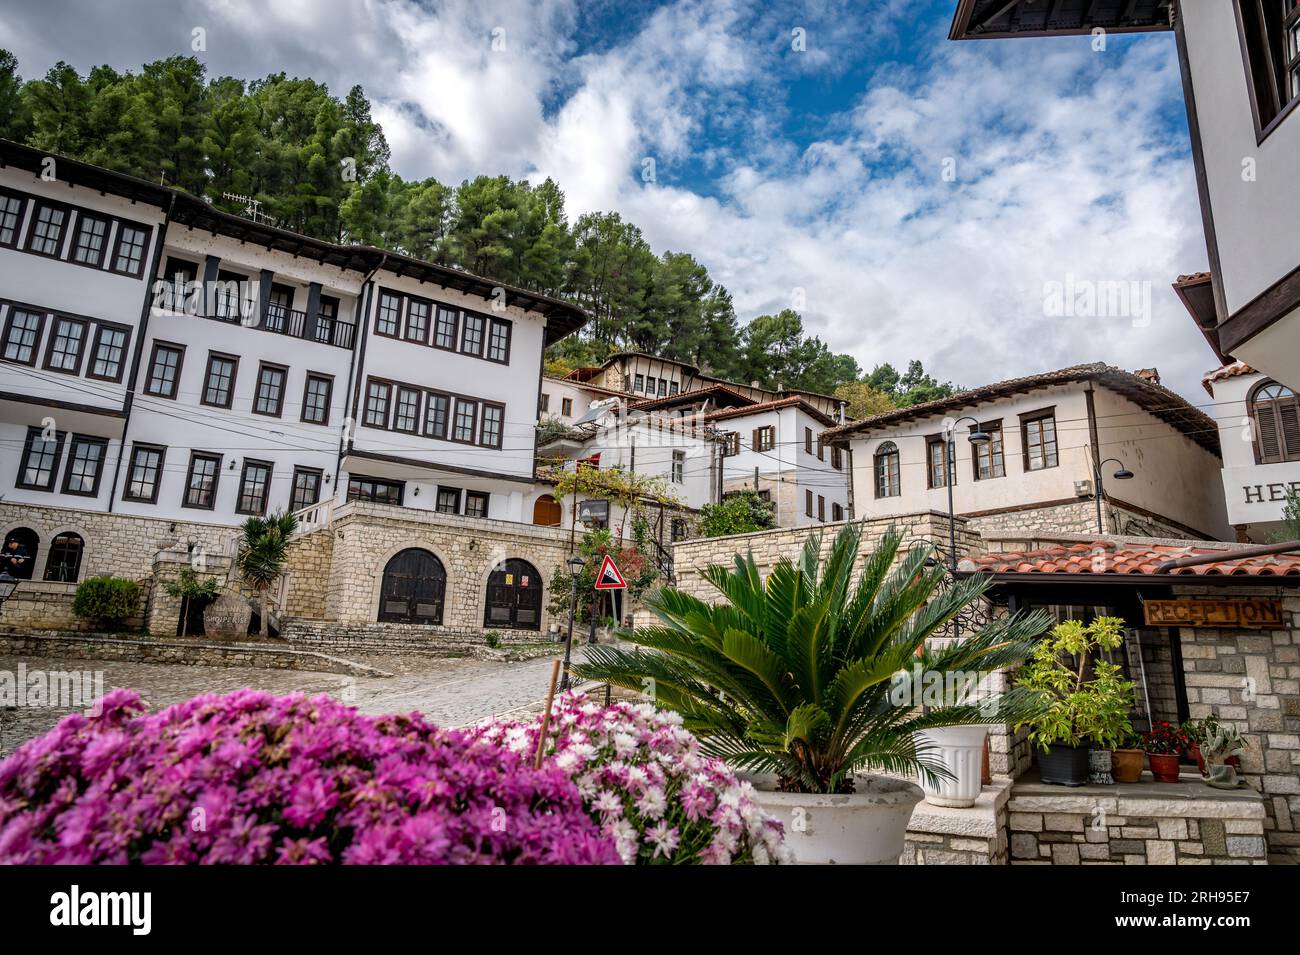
1200, 732
1164, 744
1221, 746
1080, 709
803, 681
1126, 760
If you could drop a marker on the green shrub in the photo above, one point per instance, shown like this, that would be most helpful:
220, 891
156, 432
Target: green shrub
108, 601
493, 639
741, 512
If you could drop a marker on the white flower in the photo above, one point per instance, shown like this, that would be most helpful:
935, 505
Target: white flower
652, 803
608, 802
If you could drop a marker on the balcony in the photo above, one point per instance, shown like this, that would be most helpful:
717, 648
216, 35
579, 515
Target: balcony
227, 307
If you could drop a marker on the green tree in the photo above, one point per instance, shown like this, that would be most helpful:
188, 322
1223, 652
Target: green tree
59, 106
262, 550
187, 587
742, 512
14, 118
862, 400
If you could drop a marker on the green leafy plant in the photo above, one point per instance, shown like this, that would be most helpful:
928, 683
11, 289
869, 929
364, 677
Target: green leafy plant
1218, 741
798, 675
261, 555
107, 601
189, 587
743, 512
638, 570
492, 639
1166, 739
1078, 707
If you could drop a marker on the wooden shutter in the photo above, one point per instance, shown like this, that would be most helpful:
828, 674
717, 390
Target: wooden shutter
1266, 420
757, 440
1288, 413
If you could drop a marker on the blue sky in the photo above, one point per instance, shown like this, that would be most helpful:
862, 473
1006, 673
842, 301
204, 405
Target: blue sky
916, 198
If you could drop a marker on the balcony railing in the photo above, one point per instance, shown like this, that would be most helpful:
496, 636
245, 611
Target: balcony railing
177, 297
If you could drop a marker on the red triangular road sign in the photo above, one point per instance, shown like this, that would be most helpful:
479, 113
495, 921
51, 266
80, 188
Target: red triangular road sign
609, 577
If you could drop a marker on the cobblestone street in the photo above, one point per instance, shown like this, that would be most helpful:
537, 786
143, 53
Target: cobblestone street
450, 692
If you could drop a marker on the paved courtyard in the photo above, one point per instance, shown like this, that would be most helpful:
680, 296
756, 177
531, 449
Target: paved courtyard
450, 692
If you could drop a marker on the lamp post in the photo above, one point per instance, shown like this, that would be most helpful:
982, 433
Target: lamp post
1122, 474
576, 564
978, 436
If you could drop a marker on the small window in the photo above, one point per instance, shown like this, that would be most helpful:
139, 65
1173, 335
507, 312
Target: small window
270, 390
730, 443
448, 500
46, 234
164, 370
672, 388
65, 348
316, 399
821, 449
1276, 414
638, 384
107, 353
989, 462
128, 253
888, 472
494, 417
417, 320
435, 415
444, 331
254, 487
406, 411
837, 512
821, 507
466, 418
92, 237
375, 490
566, 407
22, 335
936, 457
498, 349
85, 465
306, 488
1271, 43
765, 438
544, 403
663, 387
476, 504
388, 321
219, 381
808, 503
201, 481
837, 457
145, 473
807, 441
471, 339
11, 214
1038, 433
377, 404
679, 467
40, 462
64, 563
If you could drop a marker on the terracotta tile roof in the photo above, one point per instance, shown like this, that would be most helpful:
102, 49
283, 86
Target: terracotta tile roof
1194, 278
689, 396
1233, 370
772, 405
1108, 557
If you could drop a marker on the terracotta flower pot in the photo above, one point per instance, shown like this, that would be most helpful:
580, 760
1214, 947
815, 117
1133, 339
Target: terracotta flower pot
1195, 753
1164, 767
1126, 765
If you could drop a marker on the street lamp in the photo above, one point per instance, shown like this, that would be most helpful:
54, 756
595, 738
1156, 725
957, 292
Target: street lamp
978, 436
1122, 474
576, 564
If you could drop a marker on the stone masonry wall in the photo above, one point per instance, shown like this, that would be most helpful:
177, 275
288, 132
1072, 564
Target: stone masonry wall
1078, 517
307, 567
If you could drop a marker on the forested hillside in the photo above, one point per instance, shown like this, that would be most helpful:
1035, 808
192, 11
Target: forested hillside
319, 165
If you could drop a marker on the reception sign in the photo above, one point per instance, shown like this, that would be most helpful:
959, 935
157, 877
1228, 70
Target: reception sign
1214, 613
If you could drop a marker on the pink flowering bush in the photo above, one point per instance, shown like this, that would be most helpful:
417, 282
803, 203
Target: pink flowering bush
643, 779
252, 778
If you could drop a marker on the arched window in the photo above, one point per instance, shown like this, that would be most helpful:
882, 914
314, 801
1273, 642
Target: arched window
546, 511
18, 557
414, 588
64, 562
888, 480
514, 597
1277, 423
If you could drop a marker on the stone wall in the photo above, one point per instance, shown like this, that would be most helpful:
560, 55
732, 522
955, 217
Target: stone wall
1251, 679
307, 568
402, 638
1080, 517
163, 611
1140, 824
976, 836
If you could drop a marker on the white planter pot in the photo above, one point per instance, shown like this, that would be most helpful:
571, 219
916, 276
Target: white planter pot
961, 750
866, 827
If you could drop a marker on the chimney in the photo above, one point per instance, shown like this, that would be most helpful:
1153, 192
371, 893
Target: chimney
843, 416
1150, 374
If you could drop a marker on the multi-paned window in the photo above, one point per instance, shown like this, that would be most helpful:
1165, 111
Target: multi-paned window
201, 480
65, 348
493, 425
837, 512
566, 406
471, 337
269, 399
444, 329
679, 467
254, 487
375, 490
989, 462
435, 415
219, 382
417, 320
765, 438
107, 352
476, 504
377, 393
40, 462
447, 500
498, 346
388, 320
11, 213
91, 239
1271, 42
231, 302
544, 403
128, 251
663, 387
1038, 431
638, 383
306, 488
145, 473
730, 443
316, 399
464, 421
406, 410
1275, 411
164, 370
85, 465
22, 334
46, 234
937, 467
888, 473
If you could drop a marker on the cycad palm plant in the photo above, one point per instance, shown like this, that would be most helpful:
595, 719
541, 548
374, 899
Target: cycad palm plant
261, 555
800, 676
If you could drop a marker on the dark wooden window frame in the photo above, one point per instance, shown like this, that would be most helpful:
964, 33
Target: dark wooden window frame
1028, 418
262, 368
730, 443
243, 484
122, 226
949, 467
216, 480
33, 432
483, 496
388, 404
107, 240
53, 337
501, 429
1269, 107
495, 323
84, 439
41, 318
215, 356
1276, 406
100, 329
455, 415
429, 318
417, 419
442, 489
438, 310
298, 471
888, 449
20, 222
464, 333
994, 430
765, 437
39, 203
401, 312
180, 362
429, 397
306, 390
136, 448
378, 482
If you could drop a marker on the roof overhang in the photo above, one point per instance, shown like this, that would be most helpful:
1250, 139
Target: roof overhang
1000, 19
1058, 579
1196, 292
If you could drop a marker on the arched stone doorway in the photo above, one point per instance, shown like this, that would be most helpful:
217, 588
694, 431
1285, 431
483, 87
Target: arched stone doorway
547, 512
514, 597
64, 563
414, 588
20, 561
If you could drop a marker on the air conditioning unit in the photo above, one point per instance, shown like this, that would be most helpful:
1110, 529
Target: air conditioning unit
1083, 489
